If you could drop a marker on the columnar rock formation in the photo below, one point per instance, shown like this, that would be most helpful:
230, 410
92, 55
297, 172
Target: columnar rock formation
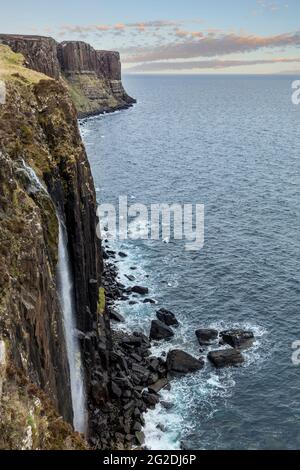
38, 130
40, 52
44, 172
94, 77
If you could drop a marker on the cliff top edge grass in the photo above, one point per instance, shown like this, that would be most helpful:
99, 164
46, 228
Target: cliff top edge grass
12, 67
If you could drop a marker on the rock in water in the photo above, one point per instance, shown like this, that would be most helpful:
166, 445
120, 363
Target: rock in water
140, 290
239, 339
167, 317
140, 437
151, 399
149, 301
180, 362
206, 337
226, 358
116, 316
160, 331
167, 405
158, 386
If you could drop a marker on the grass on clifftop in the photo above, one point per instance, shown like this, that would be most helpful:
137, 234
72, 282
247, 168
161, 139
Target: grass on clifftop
11, 66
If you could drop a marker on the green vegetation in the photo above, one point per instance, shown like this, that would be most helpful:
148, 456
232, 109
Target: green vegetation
102, 301
79, 99
11, 67
29, 420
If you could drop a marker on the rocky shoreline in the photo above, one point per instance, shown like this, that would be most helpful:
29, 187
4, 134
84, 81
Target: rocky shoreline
137, 377
108, 110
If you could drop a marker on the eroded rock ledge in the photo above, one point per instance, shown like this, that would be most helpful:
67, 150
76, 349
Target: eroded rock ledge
93, 77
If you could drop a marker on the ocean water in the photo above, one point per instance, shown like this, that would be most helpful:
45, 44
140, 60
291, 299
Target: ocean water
232, 144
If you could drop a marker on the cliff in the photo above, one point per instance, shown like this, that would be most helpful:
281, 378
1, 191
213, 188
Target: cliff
38, 130
93, 77
45, 185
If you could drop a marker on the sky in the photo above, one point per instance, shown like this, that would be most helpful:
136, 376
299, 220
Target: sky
171, 36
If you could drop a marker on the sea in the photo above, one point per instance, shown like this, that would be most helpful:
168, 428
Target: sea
231, 144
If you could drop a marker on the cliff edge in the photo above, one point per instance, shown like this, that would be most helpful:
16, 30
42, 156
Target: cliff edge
40, 141
46, 189
93, 77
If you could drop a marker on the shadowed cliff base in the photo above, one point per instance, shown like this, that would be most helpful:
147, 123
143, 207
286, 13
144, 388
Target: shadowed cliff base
93, 77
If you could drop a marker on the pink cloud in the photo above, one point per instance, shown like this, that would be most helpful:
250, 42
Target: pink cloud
207, 64
210, 46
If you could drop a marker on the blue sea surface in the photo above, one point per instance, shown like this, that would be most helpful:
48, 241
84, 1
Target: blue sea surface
232, 144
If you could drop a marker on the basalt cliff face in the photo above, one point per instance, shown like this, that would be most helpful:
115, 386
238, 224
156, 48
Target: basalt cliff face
93, 77
39, 136
46, 184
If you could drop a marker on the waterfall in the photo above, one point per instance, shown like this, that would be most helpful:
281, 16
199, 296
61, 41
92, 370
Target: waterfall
73, 349
36, 183
66, 295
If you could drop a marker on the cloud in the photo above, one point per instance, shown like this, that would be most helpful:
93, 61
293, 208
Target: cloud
271, 6
180, 33
267, 6
210, 46
139, 26
155, 24
206, 64
119, 26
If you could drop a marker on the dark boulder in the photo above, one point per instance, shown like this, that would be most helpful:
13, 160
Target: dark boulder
226, 358
149, 301
239, 339
119, 437
122, 255
129, 438
137, 427
111, 253
206, 336
167, 405
98, 393
167, 317
158, 386
151, 399
136, 357
117, 392
154, 364
143, 338
180, 362
115, 316
160, 331
140, 290
131, 340
130, 405
140, 438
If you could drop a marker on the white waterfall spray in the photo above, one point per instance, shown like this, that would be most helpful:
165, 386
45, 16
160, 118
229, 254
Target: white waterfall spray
34, 179
66, 295
73, 349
